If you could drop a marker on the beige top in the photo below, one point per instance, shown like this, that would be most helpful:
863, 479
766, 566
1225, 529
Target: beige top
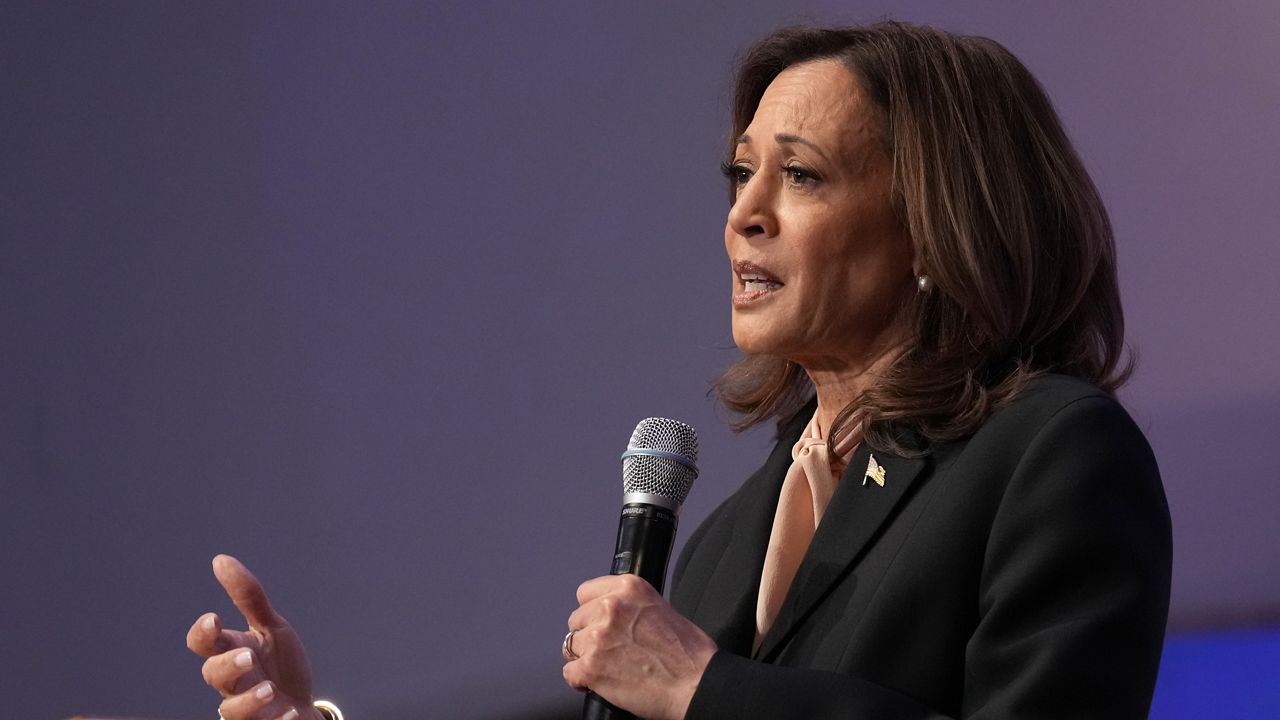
806, 492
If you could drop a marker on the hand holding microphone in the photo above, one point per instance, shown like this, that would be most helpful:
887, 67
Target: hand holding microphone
629, 646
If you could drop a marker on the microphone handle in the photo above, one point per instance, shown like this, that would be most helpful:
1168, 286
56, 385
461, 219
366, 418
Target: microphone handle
646, 534
597, 708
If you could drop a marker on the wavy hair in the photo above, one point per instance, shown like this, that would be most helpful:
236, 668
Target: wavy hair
1001, 213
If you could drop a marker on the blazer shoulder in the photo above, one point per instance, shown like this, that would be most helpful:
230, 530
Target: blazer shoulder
1046, 394
1047, 397
1063, 414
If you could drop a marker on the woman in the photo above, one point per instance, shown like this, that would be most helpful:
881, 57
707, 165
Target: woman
961, 522
958, 519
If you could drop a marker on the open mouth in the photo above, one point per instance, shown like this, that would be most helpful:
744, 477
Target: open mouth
754, 282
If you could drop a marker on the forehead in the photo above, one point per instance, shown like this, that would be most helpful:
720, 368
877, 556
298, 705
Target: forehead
820, 100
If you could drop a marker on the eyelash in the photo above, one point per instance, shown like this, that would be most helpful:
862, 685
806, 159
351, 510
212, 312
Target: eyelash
734, 173
739, 174
800, 175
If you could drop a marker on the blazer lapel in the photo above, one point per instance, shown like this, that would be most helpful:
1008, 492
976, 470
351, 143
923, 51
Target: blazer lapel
849, 525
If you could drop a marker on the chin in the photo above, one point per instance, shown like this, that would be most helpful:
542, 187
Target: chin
755, 341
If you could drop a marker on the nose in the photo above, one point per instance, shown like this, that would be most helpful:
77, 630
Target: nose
753, 213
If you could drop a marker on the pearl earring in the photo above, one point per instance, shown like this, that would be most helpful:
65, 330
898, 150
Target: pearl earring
924, 283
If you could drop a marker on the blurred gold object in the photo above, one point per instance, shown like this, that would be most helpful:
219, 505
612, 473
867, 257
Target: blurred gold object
329, 710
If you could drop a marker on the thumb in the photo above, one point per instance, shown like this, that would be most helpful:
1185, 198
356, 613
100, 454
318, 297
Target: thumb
246, 592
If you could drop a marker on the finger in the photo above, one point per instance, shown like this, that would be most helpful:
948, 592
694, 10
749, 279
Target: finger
594, 588
582, 643
246, 592
632, 586
586, 614
574, 677
257, 703
206, 637
202, 638
602, 598
231, 673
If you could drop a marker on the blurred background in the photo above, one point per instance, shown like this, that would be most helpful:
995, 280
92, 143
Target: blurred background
372, 294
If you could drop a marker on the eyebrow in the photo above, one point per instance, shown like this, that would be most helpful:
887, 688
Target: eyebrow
786, 139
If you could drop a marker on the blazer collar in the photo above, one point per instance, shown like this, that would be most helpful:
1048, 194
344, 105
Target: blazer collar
850, 524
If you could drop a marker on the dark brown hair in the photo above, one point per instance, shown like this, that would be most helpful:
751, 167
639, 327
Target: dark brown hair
1003, 217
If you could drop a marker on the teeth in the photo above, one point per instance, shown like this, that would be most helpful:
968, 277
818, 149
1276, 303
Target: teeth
758, 285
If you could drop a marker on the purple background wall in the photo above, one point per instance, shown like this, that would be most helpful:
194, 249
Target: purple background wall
372, 295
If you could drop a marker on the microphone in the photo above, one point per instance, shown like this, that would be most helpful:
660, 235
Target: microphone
658, 469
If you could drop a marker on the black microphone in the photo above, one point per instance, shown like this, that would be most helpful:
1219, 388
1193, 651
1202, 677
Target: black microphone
658, 468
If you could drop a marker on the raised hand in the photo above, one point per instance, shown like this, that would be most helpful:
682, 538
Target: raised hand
262, 673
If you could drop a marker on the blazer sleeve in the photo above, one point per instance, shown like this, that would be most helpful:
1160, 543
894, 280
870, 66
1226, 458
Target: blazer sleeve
1072, 599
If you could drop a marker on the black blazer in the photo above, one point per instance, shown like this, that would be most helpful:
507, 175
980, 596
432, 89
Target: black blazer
1020, 573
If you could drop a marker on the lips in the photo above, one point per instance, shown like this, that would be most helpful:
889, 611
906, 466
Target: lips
754, 283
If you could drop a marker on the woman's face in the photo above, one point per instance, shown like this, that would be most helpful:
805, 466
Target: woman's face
821, 268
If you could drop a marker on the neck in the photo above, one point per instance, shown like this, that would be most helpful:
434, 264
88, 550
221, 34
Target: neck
838, 384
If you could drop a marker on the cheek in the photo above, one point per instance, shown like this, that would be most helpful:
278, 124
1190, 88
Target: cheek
859, 277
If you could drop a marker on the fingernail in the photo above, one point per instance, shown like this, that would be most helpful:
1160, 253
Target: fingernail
208, 623
265, 691
291, 715
244, 659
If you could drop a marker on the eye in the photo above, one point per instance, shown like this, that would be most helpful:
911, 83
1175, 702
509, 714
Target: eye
737, 173
800, 175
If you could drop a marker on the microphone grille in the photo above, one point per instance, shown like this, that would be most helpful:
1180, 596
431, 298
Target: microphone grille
661, 459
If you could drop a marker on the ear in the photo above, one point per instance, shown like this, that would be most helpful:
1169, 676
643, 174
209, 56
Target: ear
917, 261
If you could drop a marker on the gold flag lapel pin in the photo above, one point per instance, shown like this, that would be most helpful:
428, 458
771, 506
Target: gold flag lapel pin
874, 471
